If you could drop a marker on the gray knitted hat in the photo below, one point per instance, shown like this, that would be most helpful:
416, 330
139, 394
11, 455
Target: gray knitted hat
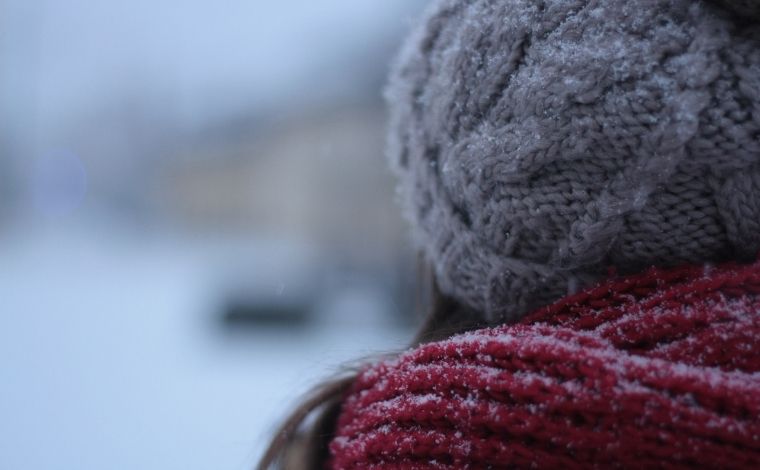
540, 143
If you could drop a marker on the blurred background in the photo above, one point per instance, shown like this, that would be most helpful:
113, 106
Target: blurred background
196, 222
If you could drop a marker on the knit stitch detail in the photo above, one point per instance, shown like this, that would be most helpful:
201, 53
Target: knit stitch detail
538, 142
657, 370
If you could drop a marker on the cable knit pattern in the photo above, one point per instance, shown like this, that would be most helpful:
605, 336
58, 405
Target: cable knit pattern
658, 370
539, 142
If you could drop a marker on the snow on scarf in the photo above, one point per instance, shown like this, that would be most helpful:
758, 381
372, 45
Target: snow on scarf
658, 370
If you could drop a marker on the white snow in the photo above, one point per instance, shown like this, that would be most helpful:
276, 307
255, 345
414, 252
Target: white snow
108, 357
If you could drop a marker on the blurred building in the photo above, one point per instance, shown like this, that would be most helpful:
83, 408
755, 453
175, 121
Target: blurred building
173, 177
252, 119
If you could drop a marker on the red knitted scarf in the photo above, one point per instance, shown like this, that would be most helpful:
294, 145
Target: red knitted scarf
657, 370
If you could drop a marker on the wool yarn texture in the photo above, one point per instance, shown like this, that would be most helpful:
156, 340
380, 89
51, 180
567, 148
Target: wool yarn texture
540, 142
658, 370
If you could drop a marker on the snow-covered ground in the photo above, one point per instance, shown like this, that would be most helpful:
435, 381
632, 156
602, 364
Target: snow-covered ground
111, 356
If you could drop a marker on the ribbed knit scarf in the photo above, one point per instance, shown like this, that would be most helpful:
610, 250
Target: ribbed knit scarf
658, 370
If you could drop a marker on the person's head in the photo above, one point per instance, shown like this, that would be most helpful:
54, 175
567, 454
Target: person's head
540, 144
